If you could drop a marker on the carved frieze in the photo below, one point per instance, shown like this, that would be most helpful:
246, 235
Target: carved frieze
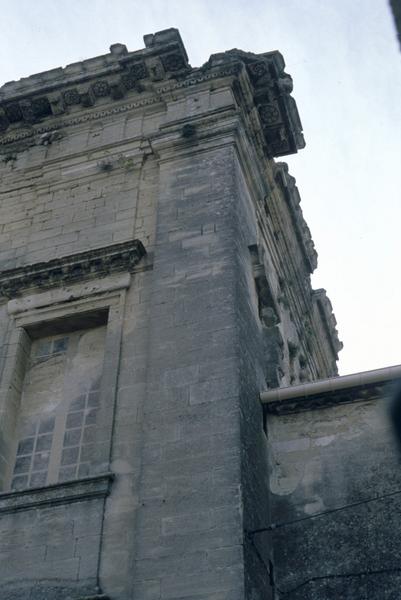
71, 97
58, 92
26, 134
68, 269
136, 72
174, 62
269, 114
25, 110
41, 107
277, 109
258, 70
101, 88
117, 91
35, 109
13, 112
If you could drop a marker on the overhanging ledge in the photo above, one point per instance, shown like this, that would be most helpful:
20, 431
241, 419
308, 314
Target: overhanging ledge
60, 493
72, 268
367, 385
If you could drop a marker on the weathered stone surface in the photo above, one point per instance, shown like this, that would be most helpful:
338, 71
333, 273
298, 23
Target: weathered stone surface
335, 495
100, 162
94, 264
50, 539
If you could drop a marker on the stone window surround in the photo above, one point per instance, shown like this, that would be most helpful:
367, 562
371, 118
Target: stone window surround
100, 301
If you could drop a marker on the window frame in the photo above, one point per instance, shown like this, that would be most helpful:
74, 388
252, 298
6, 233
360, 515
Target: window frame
52, 311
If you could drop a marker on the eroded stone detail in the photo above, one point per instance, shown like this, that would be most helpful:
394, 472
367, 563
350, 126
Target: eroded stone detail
13, 113
135, 73
291, 194
173, 62
101, 88
81, 266
271, 86
269, 114
277, 109
71, 97
326, 310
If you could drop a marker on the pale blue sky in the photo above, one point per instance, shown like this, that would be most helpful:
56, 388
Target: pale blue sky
346, 66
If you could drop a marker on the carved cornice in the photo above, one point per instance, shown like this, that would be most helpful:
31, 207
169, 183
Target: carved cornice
24, 133
83, 84
53, 95
325, 309
277, 109
271, 89
291, 194
69, 269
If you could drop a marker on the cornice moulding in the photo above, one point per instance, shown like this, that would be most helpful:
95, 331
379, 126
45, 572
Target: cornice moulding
69, 269
159, 69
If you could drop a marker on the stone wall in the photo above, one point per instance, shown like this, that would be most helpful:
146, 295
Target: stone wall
335, 487
141, 196
50, 540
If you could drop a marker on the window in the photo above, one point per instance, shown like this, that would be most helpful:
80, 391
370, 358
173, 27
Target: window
59, 408
59, 365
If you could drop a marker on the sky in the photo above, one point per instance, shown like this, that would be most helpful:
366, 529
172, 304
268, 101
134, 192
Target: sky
346, 65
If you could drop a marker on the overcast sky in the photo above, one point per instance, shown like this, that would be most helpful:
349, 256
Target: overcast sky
346, 66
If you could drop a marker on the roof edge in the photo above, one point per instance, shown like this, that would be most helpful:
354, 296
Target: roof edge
366, 385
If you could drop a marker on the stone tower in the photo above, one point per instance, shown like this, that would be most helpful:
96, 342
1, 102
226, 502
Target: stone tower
155, 277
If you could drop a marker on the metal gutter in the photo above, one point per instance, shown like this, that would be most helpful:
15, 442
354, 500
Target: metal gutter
304, 394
